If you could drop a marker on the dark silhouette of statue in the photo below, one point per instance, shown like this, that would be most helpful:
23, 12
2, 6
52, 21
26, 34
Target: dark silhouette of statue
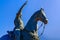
29, 32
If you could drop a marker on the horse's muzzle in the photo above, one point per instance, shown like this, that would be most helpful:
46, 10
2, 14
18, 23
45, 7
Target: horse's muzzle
46, 21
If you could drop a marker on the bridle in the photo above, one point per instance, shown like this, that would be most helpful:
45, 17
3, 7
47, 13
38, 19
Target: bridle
42, 30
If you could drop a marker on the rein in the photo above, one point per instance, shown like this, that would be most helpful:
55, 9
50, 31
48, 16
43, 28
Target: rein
42, 30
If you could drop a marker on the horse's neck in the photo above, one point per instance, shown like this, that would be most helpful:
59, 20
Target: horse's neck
31, 25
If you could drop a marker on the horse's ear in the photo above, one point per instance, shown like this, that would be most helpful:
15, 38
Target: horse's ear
42, 9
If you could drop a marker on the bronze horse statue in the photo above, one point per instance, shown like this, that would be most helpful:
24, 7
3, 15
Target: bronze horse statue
29, 32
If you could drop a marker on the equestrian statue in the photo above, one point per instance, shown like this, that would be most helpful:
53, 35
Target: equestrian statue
30, 31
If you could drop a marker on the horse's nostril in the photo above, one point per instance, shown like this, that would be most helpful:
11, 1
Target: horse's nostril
46, 21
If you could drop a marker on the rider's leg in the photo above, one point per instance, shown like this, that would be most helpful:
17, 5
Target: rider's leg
17, 34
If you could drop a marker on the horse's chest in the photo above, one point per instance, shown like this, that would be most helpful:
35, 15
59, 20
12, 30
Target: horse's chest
34, 36
30, 36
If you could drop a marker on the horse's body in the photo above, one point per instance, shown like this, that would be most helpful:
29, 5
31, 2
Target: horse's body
30, 30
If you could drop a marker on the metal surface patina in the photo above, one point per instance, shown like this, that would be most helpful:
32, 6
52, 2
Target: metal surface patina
29, 32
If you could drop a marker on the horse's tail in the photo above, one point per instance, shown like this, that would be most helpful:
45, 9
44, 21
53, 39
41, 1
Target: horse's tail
22, 7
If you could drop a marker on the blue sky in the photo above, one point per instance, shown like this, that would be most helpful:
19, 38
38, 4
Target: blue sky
9, 8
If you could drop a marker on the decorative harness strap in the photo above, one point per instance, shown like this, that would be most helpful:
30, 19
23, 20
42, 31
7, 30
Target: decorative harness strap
42, 30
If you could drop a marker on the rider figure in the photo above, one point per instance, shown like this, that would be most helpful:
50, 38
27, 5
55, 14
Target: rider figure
19, 23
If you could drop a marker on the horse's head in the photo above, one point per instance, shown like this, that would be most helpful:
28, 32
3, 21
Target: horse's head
32, 23
40, 15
